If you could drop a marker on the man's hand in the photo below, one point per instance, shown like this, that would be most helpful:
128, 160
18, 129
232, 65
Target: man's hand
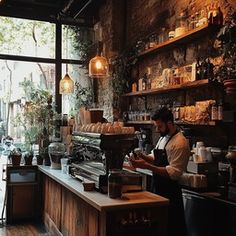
138, 163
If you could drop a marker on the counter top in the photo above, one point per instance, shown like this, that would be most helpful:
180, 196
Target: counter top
101, 201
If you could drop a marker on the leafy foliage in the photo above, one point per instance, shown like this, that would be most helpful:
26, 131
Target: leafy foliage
81, 40
83, 96
120, 79
227, 46
37, 113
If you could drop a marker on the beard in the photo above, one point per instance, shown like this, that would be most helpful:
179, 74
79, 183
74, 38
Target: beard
164, 133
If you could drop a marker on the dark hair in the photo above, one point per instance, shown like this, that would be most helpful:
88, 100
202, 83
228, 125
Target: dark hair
163, 114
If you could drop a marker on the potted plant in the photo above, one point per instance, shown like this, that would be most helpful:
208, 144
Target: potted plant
36, 119
226, 70
28, 157
15, 157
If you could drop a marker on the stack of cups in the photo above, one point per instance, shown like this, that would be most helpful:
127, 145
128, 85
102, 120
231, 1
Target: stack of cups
202, 153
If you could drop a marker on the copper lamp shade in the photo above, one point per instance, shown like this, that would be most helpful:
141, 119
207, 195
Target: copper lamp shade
66, 85
98, 67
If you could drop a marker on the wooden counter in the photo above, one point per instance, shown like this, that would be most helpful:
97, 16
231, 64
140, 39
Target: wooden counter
69, 210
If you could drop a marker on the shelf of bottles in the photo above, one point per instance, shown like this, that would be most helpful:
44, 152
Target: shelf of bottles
207, 112
187, 28
184, 38
193, 84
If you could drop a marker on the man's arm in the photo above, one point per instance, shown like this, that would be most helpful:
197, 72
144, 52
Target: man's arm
141, 163
147, 158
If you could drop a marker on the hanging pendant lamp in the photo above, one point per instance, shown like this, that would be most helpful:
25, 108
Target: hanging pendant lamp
66, 85
98, 65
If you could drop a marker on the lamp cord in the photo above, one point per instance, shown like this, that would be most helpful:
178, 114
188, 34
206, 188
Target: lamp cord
67, 48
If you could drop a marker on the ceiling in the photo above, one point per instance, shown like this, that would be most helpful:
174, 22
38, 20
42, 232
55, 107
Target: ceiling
79, 12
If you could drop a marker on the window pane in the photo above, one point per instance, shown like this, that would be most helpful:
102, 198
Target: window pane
11, 92
27, 37
76, 42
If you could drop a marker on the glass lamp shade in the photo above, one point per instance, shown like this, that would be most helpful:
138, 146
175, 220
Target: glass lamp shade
98, 67
66, 85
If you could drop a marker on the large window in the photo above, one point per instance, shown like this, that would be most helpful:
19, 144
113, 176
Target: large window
28, 52
13, 73
27, 37
75, 42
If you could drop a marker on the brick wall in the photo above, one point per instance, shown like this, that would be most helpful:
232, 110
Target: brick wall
125, 22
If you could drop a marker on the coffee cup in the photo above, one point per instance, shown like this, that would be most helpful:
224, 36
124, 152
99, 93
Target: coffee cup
202, 153
198, 145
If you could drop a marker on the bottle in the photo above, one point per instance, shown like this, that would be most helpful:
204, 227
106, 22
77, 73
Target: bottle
149, 80
140, 84
134, 87
214, 111
144, 82
152, 41
177, 113
198, 70
115, 184
220, 111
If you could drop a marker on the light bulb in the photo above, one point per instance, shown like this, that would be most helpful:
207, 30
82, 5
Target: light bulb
98, 65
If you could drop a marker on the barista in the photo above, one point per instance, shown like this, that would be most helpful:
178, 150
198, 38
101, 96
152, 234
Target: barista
168, 161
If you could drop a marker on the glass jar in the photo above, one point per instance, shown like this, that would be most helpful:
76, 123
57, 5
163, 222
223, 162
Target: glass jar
56, 151
181, 24
115, 184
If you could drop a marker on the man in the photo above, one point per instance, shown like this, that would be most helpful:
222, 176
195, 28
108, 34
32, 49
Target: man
168, 161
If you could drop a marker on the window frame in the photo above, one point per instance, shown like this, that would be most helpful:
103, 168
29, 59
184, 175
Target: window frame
57, 61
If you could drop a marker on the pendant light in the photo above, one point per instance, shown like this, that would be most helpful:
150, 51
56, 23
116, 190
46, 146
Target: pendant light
98, 65
66, 84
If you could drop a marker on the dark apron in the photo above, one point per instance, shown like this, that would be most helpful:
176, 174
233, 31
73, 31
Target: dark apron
170, 189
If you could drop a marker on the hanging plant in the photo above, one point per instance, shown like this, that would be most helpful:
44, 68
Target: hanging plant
83, 96
120, 79
227, 48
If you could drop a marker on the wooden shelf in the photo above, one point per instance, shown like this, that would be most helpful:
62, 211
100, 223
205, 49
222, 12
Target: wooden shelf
210, 123
185, 38
149, 122
167, 89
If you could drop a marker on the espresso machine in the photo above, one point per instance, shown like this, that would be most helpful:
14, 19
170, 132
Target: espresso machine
96, 154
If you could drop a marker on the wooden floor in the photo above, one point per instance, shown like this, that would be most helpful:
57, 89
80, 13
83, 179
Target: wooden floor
23, 230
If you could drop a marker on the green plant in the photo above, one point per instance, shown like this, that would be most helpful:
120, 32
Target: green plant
15, 152
227, 47
120, 79
83, 96
36, 116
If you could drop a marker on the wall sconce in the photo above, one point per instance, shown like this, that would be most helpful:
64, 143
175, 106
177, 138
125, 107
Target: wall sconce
66, 85
98, 65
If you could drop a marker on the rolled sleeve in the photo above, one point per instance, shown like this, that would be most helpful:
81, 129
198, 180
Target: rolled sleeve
178, 160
